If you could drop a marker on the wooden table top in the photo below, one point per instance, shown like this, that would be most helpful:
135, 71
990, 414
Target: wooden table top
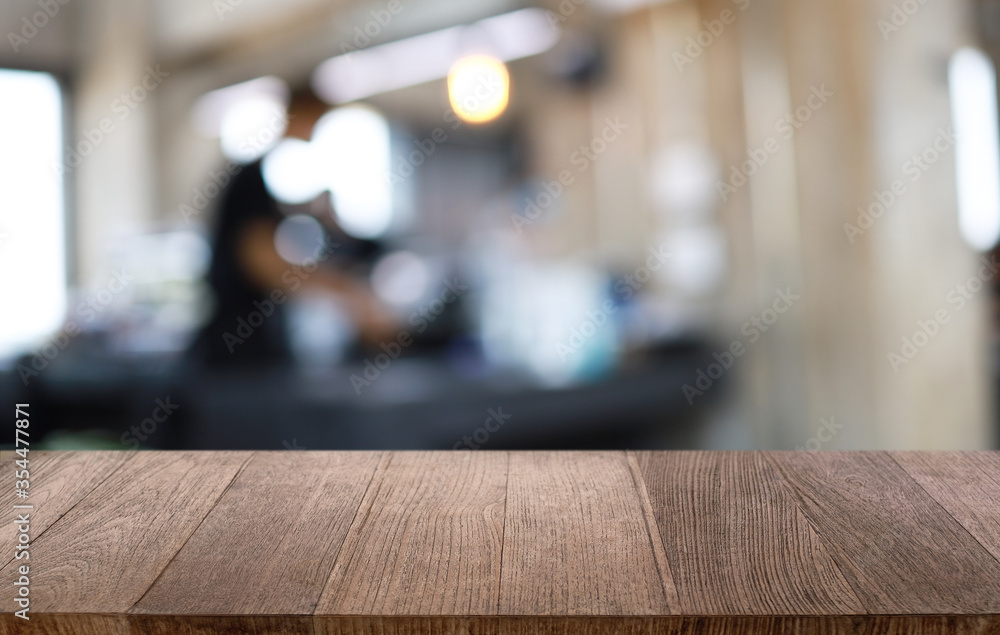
506, 542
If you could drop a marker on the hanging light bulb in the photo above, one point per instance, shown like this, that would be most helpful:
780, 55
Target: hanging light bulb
478, 88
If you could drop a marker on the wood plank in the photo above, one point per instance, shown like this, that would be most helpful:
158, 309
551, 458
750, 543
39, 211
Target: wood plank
58, 481
898, 548
108, 549
736, 541
966, 484
268, 546
751, 625
220, 625
577, 541
46, 624
537, 543
427, 539
65, 624
122, 624
406, 625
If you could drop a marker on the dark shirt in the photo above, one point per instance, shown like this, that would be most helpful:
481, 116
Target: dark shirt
238, 334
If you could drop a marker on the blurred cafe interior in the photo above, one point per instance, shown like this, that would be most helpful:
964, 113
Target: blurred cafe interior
437, 224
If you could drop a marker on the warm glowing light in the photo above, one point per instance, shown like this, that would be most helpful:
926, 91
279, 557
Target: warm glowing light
478, 88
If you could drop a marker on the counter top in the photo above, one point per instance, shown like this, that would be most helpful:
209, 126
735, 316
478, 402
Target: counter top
504, 542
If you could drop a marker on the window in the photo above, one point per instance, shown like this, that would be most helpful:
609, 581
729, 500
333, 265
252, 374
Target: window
973, 86
32, 215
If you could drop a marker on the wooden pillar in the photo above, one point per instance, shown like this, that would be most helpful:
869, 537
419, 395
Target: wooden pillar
863, 100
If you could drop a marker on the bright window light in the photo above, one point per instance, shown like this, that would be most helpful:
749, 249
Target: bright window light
249, 117
212, 106
354, 145
32, 239
251, 127
349, 156
293, 172
973, 86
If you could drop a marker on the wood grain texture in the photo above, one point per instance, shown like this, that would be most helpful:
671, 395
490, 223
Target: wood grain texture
900, 550
665, 625
65, 624
426, 540
110, 547
576, 539
47, 624
751, 625
966, 484
736, 540
121, 624
522, 543
269, 545
59, 480
406, 625
220, 625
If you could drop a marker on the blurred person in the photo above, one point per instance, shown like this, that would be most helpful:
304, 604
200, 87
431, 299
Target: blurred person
247, 272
